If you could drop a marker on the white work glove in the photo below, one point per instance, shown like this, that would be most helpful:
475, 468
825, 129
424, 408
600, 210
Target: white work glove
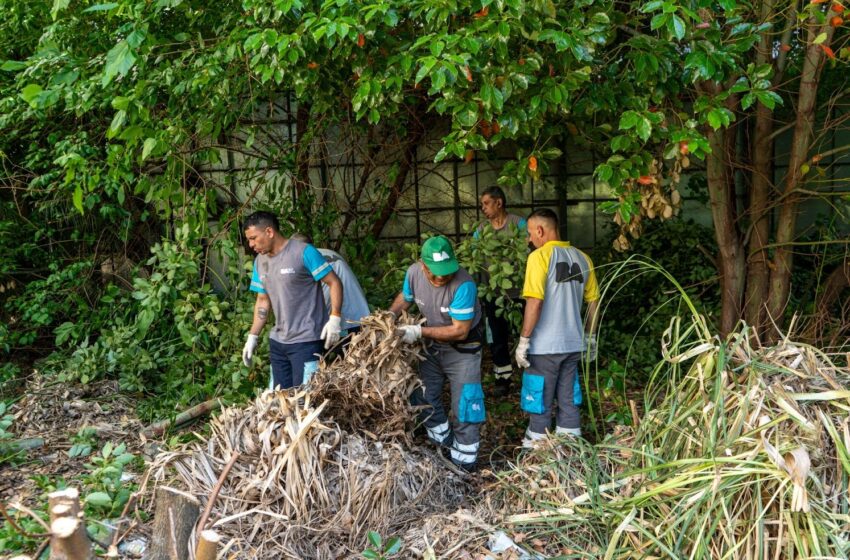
590, 347
521, 353
410, 333
330, 332
248, 349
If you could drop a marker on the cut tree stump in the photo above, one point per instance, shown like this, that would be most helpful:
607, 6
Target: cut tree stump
208, 545
68, 538
174, 519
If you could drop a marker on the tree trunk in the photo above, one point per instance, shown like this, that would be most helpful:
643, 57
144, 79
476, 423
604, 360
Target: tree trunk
303, 140
366, 173
415, 133
780, 276
723, 210
174, 520
758, 272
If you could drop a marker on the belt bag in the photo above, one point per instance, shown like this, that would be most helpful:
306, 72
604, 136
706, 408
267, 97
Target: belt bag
472, 343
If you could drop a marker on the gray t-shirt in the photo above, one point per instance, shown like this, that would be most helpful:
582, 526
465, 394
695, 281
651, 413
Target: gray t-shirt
354, 306
291, 279
456, 300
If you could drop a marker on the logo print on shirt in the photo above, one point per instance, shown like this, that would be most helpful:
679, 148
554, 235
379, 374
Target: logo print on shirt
568, 272
419, 302
287, 271
444, 310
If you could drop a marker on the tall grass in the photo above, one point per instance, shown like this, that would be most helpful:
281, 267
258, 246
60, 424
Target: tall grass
742, 453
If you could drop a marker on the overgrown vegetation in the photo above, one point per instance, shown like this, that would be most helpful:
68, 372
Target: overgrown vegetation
118, 119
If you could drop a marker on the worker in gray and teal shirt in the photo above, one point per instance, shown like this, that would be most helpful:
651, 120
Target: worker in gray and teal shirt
286, 278
494, 208
448, 299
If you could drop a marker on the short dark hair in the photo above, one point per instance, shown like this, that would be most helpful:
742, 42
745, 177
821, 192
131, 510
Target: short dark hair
546, 215
261, 220
496, 192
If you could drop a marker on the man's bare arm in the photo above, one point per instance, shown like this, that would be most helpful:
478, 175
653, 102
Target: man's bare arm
261, 313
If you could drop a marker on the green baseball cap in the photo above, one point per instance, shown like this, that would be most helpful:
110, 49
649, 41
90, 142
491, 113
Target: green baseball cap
438, 256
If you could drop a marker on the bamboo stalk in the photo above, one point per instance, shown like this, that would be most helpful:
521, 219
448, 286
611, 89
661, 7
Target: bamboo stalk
159, 428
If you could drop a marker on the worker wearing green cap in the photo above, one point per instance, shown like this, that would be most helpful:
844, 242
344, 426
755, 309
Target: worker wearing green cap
448, 299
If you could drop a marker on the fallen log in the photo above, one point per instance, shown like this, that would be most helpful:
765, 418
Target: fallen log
26, 444
159, 428
175, 517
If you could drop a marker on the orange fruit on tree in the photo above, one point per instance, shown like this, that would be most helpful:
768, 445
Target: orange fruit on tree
532, 163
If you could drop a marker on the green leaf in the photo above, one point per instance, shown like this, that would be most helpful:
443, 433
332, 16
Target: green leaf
370, 554
820, 39
629, 119
644, 128
374, 539
99, 499
427, 63
119, 60
678, 27
58, 6
101, 7
659, 21
13, 66
150, 144
393, 545
78, 199
651, 6
30, 93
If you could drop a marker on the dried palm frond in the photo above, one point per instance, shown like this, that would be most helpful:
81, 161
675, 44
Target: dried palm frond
368, 389
303, 488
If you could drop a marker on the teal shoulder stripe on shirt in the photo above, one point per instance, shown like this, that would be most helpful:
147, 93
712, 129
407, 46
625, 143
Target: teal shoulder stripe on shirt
320, 269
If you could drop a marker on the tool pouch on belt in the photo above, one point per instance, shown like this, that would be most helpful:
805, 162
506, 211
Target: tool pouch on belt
472, 343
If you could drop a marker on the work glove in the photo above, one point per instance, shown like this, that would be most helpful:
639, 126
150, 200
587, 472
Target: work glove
330, 332
521, 353
410, 333
590, 348
248, 349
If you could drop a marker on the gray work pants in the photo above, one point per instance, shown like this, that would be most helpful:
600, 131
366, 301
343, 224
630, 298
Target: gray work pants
463, 372
550, 377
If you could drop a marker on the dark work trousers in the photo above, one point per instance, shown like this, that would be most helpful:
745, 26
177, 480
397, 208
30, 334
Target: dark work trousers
462, 370
551, 380
291, 362
500, 347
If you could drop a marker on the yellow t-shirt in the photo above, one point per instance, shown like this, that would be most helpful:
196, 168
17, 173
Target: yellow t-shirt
561, 276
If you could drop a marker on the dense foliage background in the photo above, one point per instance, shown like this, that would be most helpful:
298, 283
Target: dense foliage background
111, 113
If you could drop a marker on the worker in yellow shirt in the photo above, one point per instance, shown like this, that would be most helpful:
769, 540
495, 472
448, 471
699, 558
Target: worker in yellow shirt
554, 336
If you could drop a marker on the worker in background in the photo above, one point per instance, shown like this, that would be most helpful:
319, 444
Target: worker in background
286, 278
448, 299
557, 278
354, 305
493, 206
